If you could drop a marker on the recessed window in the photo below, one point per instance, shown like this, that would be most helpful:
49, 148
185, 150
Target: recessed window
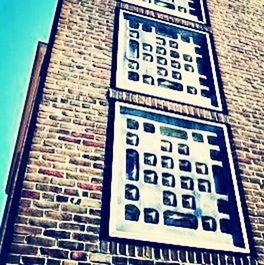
204, 185
187, 9
185, 69
133, 76
174, 44
165, 179
132, 192
150, 177
161, 60
188, 201
132, 139
148, 127
147, 47
132, 164
183, 149
187, 183
167, 162
132, 124
166, 146
177, 219
169, 198
162, 71
209, 223
131, 212
148, 79
150, 159
151, 216
168, 180
185, 165
147, 57
201, 168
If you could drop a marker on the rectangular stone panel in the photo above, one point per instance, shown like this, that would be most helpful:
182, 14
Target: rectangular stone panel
174, 175
166, 61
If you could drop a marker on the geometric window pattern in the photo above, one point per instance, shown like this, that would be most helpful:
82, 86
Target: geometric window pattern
188, 9
166, 61
174, 175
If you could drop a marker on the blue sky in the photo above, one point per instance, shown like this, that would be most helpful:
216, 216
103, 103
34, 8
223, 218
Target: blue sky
22, 25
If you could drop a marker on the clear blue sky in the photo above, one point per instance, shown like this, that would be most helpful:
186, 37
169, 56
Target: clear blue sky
22, 25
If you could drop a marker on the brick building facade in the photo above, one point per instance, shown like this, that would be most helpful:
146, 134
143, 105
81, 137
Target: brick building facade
142, 138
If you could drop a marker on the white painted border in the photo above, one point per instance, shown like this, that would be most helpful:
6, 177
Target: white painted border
117, 171
169, 11
121, 73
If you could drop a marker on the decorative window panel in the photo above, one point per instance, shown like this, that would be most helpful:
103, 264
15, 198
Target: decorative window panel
166, 61
188, 9
174, 175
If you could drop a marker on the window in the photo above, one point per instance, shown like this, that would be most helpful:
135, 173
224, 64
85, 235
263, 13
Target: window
174, 175
166, 61
187, 9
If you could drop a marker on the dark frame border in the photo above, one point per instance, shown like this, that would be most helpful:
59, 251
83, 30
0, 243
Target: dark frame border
104, 225
113, 81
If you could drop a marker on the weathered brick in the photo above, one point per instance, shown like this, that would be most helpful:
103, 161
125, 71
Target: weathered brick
89, 186
82, 135
85, 219
71, 226
40, 241
54, 158
93, 144
63, 182
56, 233
48, 188
46, 205
93, 229
85, 237
69, 262
51, 173
54, 253
79, 162
70, 245
74, 209
78, 255
30, 194
27, 230
69, 139
100, 258
30, 211
48, 197
45, 223
58, 215
60, 198
33, 260
73, 192
24, 249
37, 178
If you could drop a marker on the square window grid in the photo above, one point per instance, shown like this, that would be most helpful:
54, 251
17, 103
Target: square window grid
188, 9
166, 61
174, 175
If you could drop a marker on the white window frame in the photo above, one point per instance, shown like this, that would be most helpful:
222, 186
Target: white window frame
122, 81
121, 228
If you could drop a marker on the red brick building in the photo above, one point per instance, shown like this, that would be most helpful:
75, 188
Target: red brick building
141, 140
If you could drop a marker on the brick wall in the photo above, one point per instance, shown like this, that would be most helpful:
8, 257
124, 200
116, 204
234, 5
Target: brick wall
58, 218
